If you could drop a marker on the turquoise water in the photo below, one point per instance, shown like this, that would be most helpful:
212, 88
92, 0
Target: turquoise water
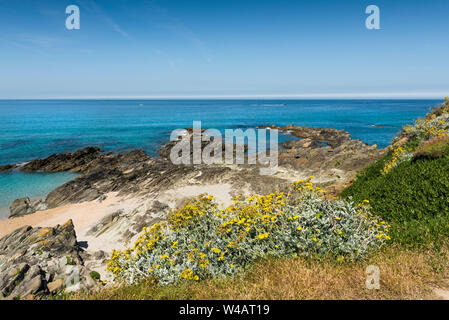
15, 185
37, 128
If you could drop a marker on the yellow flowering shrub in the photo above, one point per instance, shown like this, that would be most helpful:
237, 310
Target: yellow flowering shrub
435, 124
201, 241
400, 154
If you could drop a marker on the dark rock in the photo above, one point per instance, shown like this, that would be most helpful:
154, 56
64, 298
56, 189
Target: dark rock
333, 137
63, 162
165, 150
8, 167
321, 150
21, 207
31, 258
104, 223
100, 255
39, 204
24, 206
55, 286
158, 207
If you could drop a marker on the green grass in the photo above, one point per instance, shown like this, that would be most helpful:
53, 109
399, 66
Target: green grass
413, 197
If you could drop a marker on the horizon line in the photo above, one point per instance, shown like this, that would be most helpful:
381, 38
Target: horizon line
397, 95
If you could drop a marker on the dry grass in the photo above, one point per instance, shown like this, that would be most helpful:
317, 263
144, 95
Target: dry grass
403, 275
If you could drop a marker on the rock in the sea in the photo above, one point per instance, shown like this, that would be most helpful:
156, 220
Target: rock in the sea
328, 154
41, 261
333, 137
75, 161
21, 207
7, 167
165, 150
84, 161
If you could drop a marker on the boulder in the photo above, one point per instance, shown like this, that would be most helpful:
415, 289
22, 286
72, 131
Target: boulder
21, 207
8, 167
55, 286
64, 161
39, 261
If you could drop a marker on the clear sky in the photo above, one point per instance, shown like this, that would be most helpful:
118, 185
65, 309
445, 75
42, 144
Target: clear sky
232, 48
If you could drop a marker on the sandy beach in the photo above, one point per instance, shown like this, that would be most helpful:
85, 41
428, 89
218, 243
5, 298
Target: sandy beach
86, 214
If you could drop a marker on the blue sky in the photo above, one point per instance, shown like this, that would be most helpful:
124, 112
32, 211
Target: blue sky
245, 48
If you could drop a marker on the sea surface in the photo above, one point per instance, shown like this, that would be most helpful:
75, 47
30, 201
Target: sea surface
32, 129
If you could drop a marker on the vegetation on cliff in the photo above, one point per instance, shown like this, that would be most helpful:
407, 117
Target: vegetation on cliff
409, 187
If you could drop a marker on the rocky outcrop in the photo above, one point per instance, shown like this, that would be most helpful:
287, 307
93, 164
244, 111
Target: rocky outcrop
8, 167
330, 136
101, 173
76, 161
164, 151
347, 155
24, 206
137, 178
39, 261
83, 161
329, 154
21, 207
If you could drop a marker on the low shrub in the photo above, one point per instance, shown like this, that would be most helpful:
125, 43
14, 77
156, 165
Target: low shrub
95, 275
201, 241
434, 124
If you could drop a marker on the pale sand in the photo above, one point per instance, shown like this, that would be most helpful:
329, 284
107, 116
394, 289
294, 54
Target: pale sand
221, 192
85, 215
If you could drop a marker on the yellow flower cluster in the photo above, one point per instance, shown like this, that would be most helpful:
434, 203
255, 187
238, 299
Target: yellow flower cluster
193, 209
431, 126
395, 158
382, 232
146, 241
188, 275
306, 184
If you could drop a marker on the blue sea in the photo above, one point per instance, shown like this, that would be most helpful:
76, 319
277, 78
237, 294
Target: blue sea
32, 129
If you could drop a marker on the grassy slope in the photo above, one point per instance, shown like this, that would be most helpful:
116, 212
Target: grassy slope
413, 197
